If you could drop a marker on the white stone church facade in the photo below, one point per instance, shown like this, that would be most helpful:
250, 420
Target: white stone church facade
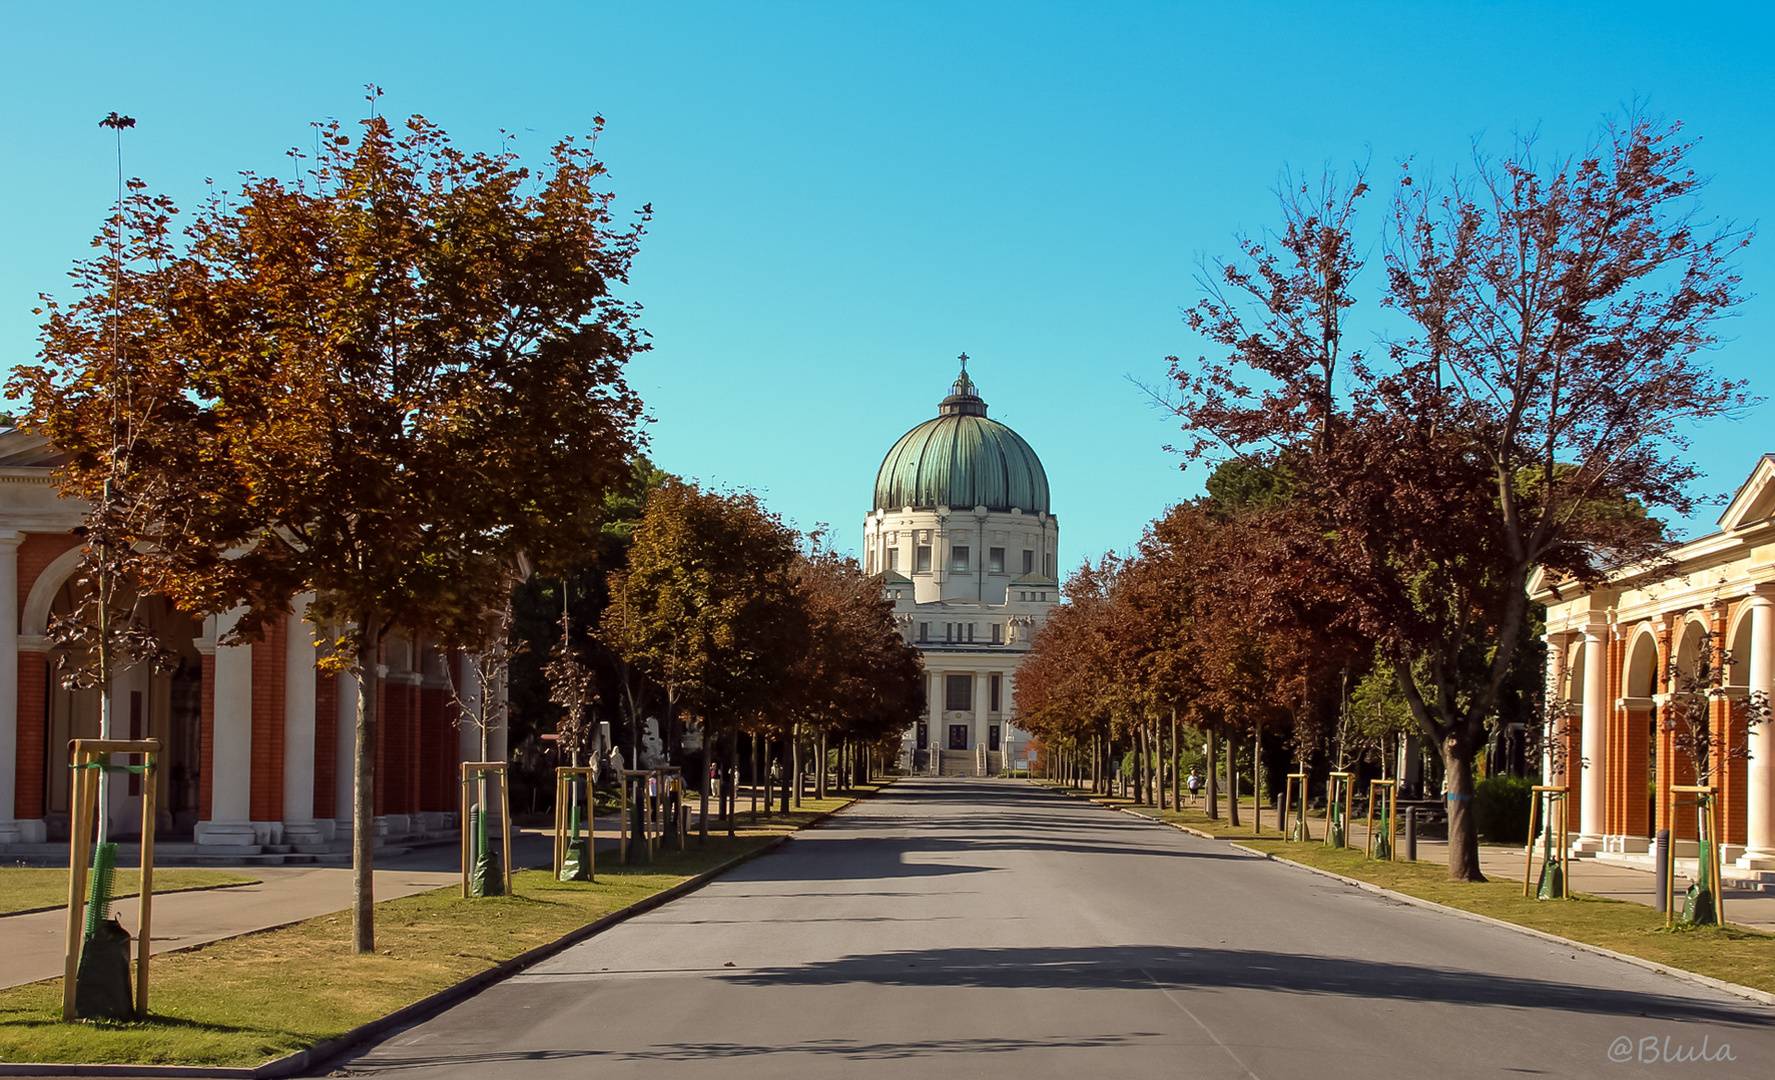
966, 545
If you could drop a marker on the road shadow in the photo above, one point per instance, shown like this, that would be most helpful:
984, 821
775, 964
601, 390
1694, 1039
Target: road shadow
395, 1058
1131, 967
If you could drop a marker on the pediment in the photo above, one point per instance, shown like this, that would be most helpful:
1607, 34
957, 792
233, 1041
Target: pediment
1754, 501
21, 448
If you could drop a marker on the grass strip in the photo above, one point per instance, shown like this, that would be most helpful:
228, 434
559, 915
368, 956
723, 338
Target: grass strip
1734, 954
34, 888
246, 1000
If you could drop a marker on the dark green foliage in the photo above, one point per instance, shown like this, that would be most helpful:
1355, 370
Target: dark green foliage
1500, 806
536, 610
1238, 485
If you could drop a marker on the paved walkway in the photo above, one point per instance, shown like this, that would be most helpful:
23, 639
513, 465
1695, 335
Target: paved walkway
33, 944
952, 928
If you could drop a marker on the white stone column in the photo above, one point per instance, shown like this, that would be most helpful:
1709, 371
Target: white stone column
299, 722
468, 735
981, 716
345, 752
1594, 787
1559, 654
9, 623
231, 756
1760, 769
496, 740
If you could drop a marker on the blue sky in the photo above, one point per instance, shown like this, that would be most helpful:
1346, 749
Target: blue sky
847, 195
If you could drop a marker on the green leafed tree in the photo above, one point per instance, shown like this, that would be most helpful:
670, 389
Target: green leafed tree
707, 609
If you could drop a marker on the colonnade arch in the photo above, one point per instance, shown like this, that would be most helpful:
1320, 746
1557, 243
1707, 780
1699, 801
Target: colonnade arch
1617, 645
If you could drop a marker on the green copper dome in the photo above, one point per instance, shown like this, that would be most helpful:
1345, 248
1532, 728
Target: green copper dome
962, 460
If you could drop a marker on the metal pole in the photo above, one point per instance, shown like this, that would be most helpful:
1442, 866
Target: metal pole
1661, 871
1411, 834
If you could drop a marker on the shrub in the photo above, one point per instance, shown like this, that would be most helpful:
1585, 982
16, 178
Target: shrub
1500, 808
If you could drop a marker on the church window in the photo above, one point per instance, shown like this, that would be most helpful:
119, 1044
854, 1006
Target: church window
1048, 565
893, 558
924, 631
1028, 561
869, 563
997, 636
922, 565
958, 558
970, 633
993, 691
958, 692
995, 560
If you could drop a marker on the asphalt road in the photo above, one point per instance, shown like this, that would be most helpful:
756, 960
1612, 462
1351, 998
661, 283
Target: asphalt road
987, 929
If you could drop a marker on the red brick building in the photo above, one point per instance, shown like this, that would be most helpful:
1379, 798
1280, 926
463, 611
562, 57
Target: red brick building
1610, 657
257, 740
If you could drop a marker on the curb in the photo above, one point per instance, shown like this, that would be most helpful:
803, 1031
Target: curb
1760, 996
157, 892
1751, 993
1143, 817
322, 1054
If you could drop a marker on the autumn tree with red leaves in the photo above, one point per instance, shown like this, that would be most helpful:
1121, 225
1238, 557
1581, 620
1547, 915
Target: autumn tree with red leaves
390, 383
1559, 311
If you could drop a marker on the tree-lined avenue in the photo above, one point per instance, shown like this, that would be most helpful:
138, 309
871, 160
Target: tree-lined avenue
996, 929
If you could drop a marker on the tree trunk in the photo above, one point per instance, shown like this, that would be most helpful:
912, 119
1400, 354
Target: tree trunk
1139, 777
1176, 767
1148, 763
1155, 738
795, 764
1213, 775
708, 777
757, 781
788, 777
363, 795
820, 777
1155, 778
1232, 780
733, 767
1257, 782
1463, 829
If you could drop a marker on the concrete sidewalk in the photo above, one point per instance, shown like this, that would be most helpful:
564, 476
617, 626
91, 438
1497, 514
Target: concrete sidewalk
33, 943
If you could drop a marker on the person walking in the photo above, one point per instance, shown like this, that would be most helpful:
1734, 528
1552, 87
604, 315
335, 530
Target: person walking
1195, 782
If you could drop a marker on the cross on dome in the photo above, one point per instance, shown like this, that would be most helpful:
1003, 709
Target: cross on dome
963, 386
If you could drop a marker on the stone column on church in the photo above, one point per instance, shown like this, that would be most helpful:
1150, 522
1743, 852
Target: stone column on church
496, 740
468, 736
981, 716
1555, 679
1760, 768
345, 755
231, 758
300, 828
1593, 797
9, 621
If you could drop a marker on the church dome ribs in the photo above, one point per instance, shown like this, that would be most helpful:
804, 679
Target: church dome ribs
962, 459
